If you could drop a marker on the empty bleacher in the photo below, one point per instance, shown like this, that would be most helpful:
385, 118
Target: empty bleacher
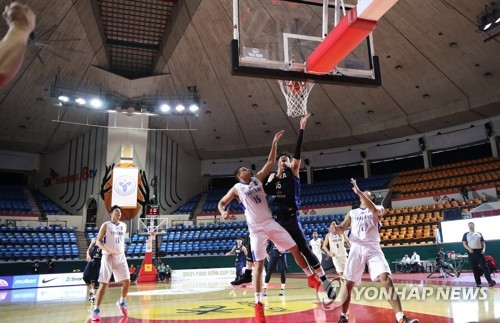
13, 200
417, 224
46, 206
448, 177
190, 205
38, 243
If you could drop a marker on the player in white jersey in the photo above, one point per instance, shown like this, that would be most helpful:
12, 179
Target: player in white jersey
111, 240
334, 246
364, 224
261, 225
316, 244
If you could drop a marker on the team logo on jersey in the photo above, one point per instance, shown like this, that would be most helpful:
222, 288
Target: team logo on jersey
124, 185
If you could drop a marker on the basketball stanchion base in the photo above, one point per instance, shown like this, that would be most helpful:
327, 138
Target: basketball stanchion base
148, 272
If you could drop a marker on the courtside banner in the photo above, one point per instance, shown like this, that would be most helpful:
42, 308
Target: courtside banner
6, 282
26, 281
69, 279
125, 187
208, 273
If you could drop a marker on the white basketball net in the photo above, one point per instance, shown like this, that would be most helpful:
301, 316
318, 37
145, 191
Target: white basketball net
296, 94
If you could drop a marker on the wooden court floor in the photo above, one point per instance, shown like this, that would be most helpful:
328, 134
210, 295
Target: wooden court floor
217, 301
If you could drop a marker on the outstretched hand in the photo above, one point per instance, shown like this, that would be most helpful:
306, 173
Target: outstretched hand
20, 16
355, 187
278, 136
303, 120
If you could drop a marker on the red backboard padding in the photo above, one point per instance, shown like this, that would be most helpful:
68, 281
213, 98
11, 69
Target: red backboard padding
348, 34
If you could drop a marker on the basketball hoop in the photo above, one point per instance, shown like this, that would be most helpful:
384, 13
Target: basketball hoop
296, 94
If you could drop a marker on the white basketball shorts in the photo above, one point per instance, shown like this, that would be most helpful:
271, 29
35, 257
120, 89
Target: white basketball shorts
359, 256
269, 230
116, 265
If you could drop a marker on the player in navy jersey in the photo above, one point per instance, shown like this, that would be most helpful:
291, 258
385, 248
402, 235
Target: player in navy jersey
91, 272
276, 262
240, 252
283, 189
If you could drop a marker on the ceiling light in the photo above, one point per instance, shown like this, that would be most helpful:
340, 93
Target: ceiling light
487, 26
193, 108
165, 108
96, 103
63, 98
80, 101
180, 108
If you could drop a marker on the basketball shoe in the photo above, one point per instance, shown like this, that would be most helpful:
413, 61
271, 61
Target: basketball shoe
343, 319
122, 307
96, 315
313, 282
407, 320
259, 313
264, 292
247, 278
282, 292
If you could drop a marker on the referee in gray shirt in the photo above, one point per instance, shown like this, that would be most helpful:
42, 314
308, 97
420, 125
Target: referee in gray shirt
474, 243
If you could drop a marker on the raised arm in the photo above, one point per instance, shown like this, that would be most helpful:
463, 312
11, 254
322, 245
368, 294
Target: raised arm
377, 210
21, 21
271, 159
295, 166
226, 199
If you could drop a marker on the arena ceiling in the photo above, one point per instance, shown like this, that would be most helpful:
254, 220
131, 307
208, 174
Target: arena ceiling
437, 72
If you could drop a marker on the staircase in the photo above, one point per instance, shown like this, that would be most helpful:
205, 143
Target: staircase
200, 204
82, 244
31, 200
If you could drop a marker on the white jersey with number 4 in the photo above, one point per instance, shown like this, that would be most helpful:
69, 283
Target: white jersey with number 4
253, 198
336, 244
365, 226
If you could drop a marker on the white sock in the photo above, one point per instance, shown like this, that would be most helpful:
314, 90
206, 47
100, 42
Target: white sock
307, 271
258, 297
399, 316
283, 286
345, 315
265, 285
320, 271
122, 299
249, 267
